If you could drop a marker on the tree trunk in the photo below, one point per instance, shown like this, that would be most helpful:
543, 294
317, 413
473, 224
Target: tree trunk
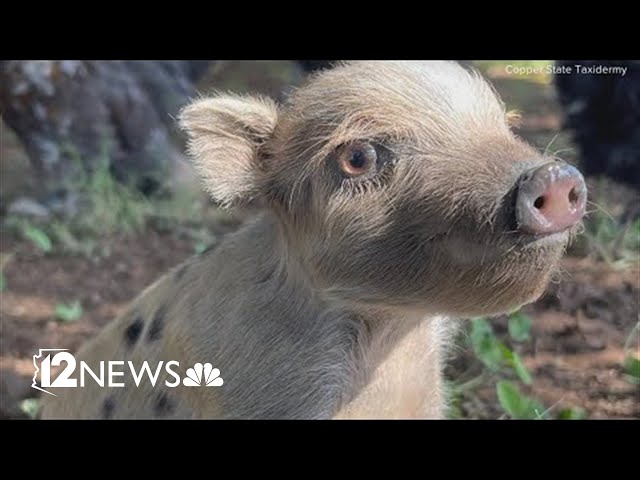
313, 65
71, 115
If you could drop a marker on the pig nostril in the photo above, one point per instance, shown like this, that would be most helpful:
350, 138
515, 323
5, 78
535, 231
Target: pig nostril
573, 196
550, 199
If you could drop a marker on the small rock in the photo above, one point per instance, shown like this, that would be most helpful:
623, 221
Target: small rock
595, 343
28, 207
96, 298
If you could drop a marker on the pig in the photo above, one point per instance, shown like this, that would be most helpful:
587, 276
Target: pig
393, 201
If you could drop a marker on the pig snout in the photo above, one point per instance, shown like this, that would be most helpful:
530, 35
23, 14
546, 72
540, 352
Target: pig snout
551, 198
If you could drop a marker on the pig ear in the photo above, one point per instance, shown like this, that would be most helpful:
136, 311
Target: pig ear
225, 134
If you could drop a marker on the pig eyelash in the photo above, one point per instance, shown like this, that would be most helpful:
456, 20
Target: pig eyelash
386, 161
359, 186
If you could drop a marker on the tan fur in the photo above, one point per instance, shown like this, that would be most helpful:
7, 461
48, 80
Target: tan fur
226, 134
338, 298
401, 373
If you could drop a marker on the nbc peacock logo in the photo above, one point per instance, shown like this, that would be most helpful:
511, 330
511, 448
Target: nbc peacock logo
203, 375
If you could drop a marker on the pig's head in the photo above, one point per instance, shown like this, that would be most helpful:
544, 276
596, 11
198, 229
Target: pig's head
397, 184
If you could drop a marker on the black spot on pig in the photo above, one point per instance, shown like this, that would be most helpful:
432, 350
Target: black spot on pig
108, 407
133, 331
157, 324
163, 405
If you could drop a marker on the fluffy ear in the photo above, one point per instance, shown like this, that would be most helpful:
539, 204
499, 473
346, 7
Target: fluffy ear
225, 133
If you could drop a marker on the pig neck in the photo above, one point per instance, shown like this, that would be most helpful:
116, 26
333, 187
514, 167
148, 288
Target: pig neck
396, 367
389, 359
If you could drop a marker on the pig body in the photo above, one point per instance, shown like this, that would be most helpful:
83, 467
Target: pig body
395, 200
283, 350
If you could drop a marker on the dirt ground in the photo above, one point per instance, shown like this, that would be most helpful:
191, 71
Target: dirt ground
575, 354
576, 351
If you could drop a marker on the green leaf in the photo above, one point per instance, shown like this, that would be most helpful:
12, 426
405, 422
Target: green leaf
37, 237
512, 359
69, 313
520, 369
30, 406
537, 408
3, 282
510, 398
632, 367
574, 413
517, 405
519, 327
485, 345
200, 247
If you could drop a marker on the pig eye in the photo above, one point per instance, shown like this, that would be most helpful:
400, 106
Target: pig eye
357, 159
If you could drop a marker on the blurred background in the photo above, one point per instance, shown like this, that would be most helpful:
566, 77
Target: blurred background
97, 201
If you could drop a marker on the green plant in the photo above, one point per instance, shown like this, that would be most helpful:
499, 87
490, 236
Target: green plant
37, 236
612, 238
4, 259
574, 413
30, 407
107, 206
502, 364
112, 206
519, 327
517, 405
68, 312
495, 355
631, 365
71, 242
632, 369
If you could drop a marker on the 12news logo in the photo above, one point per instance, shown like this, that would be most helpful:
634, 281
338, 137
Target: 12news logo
113, 373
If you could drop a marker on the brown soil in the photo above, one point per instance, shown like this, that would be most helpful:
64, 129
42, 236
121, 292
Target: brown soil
576, 351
